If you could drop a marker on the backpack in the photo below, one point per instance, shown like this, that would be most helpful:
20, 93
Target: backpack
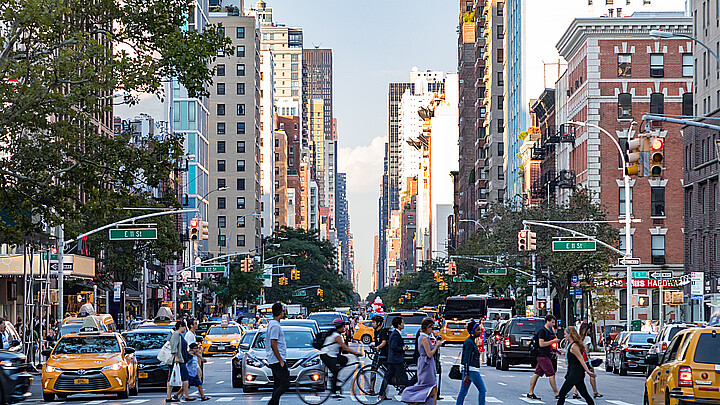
320, 338
535, 347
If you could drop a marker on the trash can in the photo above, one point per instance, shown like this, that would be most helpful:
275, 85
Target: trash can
636, 325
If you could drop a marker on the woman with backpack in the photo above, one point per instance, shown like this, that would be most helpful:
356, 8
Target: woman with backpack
577, 368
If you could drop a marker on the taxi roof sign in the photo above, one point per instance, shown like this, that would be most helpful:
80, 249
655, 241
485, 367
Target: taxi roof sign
86, 309
164, 314
225, 320
90, 325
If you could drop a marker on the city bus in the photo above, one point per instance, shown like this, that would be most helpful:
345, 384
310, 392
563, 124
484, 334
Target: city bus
477, 306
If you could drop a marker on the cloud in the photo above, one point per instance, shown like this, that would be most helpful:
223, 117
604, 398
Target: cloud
363, 165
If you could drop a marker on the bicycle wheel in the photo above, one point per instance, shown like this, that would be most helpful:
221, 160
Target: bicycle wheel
313, 386
366, 386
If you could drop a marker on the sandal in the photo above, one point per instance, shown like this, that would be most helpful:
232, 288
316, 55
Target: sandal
576, 396
597, 395
205, 398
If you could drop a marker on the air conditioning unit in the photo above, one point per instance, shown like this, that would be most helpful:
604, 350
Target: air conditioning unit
658, 260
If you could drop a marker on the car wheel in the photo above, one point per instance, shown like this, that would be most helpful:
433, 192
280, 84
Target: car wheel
48, 397
236, 382
497, 362
667, 398
62, 396
366, 339
608, 366
504, 364
134, 389
126, 393
646, 400
623, 370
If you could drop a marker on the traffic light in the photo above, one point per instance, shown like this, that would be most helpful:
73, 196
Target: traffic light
294, 274
283, 280
633, 167
673, 298
185, 305
400, 301
246, 265
451, 268
437, 276
320, 292
408, 296
640, 301
541, 305
523, 240
531, 240
657, 156
204, 232
443, 286
194, 229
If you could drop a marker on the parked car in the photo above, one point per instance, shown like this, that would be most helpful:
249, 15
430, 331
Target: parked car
307, 323
610, 332
517, 341
412, 320
243, 348
15, 380
610, 350
665, 335
689, 370
630, 353
147, 344
492, 339
301, 355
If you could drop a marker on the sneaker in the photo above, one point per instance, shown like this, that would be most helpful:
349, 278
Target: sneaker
338, 396
168, 400
533, 396
598, 395
205, 398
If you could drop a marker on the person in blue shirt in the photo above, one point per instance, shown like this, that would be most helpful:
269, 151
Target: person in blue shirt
470, 364
194, 370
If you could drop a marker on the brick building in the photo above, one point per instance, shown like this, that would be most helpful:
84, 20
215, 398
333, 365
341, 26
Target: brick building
616, 73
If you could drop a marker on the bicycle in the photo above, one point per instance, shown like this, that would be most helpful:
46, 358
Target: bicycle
374, 373
313, 386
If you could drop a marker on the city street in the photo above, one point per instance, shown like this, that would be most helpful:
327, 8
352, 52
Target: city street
507, 387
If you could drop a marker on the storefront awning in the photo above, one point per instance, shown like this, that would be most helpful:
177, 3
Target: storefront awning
74, 265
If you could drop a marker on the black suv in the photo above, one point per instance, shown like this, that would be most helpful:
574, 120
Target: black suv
516, 341
412, 326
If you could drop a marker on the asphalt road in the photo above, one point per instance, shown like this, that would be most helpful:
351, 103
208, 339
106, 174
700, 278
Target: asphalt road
503, 387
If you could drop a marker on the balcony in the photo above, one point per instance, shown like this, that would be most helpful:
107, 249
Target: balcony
538, 153
566, 179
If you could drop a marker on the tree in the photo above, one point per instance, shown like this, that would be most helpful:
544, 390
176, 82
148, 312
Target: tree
61, 63
241, 286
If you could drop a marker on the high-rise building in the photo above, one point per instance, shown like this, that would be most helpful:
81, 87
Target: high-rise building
235, 135
268, 183
343, 225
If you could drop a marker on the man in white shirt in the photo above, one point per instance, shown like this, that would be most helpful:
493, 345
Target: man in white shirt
277, 354
190, 336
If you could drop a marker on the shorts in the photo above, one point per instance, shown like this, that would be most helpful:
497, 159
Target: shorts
195, 381
184, 375
544, 367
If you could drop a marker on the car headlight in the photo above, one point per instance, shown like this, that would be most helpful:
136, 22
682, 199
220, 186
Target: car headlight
235, 341
51, 369
311, 362
113, 367
254, 362
207, 342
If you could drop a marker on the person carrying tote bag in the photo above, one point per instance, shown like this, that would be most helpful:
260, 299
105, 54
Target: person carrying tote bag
471, 366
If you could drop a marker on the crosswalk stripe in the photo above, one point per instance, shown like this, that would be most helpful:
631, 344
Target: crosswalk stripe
531, 401
616, 402
97, 402
138, 401
575, 401
265, 399
502, 383
493, 400
226, 399
447, 399
220, 382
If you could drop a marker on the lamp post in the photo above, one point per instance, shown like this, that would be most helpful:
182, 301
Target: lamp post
476, 223
628, 221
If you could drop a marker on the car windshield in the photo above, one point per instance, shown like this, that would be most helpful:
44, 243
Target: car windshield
409, 319
673, 331
294, 339
527, 326
224, 330
304, 324
147, 341
325, 319
708, 349
75, 328
87, 344
640, 337
247, 338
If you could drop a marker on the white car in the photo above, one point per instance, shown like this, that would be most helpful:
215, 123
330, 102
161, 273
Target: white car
301, 355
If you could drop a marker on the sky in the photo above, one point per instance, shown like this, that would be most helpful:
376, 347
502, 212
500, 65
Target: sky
377, 42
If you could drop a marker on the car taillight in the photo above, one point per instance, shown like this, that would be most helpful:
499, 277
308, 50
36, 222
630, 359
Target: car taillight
507, 342
497, 337
664, 346
685, 376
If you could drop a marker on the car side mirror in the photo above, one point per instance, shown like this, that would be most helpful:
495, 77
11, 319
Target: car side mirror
46, 352
15, 343
651, 340
198, 339
652, 359
129, 350
244, 347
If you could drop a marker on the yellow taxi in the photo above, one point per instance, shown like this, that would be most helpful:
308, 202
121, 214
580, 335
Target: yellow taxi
74, 323
90, 361
454, 331
222, 339
364, 332
688, 372
164, 319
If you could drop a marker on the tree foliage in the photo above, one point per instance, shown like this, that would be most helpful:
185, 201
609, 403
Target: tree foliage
239, 285
61, 65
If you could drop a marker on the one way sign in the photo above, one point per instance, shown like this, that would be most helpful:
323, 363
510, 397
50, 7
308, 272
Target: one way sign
661, 274
66, 266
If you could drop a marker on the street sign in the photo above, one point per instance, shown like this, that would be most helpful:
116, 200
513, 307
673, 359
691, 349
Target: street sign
575, 291
117, 291
493, 272
629, 261
531, 282
66, 266
661, 274
655, 282
697, 281
462, 279
133, 234
574, 246
574, 280
210, 269
639, 274
301, 293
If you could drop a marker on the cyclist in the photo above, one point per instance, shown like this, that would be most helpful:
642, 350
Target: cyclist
381, 342
330, 353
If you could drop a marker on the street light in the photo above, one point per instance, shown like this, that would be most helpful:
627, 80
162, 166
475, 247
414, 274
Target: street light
476, 223
667, 34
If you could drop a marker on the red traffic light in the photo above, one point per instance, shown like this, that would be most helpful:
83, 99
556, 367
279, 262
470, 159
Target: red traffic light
194, 223
657, 144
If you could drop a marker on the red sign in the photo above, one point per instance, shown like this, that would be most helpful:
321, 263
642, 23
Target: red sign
655, 283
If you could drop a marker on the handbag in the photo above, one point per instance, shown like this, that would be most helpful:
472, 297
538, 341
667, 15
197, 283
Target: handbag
455, 373
164, 355
175, 377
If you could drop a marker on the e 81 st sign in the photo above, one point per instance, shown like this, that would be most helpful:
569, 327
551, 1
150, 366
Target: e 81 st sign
133, 234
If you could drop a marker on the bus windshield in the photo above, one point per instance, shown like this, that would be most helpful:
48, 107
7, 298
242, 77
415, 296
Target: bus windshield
474, 307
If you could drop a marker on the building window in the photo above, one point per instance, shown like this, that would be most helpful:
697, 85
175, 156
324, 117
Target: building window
221, 165
500, 80
240, 32
241, 203
622, 242
658, 249
621, 204
240, 146
240, 222
221, 89
221, 147
240, 128
240, 51
624, 65
624, 106
240, 69
500, 125
623, 306
221, 109
687, 65
221, 128
222, 239
687, 104
657, 103
240, 89
657, 65
657, 201
500, 33
221, 183
499, 54
500, 101
500, 7
241, 240
220, 70
241, 109
222, 221
240, 184
241, 165
501, 148
221, 203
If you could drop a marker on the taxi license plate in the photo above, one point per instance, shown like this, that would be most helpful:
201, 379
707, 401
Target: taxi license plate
82, 381
143, 375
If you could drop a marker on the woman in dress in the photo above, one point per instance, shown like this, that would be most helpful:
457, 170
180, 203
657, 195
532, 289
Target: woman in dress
481, 340
426, 386
577, 367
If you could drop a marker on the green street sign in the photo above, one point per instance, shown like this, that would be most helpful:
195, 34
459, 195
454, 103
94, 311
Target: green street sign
133, 234
53, 257
493, 272
462, 279
210, 269
300, 293
639, 274
264, 276
574, 246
